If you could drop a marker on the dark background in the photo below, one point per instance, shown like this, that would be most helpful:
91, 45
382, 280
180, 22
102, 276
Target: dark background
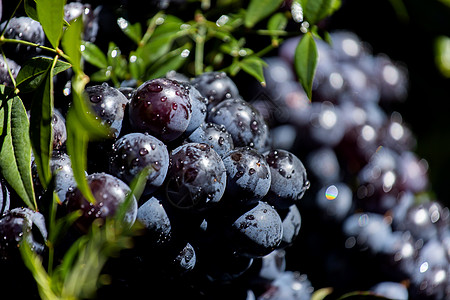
410, 40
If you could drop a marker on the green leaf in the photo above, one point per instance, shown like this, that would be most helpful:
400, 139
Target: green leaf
71, 43
133, 31
117, 61
93, 55
34, 263
305, 62
41, 131
260, 9
278, 21
15, 147
254, 65
82, 126
33, 72
77, 143
51, 17
320, 294
30, 9
171, 61
442, 54
316, 10
101, 75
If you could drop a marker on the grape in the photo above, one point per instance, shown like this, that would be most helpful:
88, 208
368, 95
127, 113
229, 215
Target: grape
288, 178
196, 178
161, 107
135, 151
110, 193
215, 136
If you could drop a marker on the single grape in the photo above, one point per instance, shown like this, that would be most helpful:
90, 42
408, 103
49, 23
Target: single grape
161, 107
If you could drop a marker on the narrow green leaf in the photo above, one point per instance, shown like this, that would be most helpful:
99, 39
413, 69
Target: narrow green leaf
30, 9
260, 9
81, 127
77, 143
51, 17
254, 65
71, 42
41, 132
320, 294
15, 147
93, 55
133, 31
34, 263
278, 21
171, 61
33, 72
101, 75
316, 10
305, 62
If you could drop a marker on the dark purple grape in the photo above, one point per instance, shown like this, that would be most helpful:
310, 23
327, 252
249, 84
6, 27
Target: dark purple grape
359, 86
367, 231
156, 222
108, 103
430, 282
248, 176
413, 172
196, 178
135, 151
215, 86
127, 92
396, 134
25, 29
17, 224
89, 16
289, 285
161, 107
391, 290
257, 232
245, 124
323, 166
174, 75
288, 178
273, 264
185, 260
215, 135
5, 78
335, 201
59, 130
277, 72
392, 78
110, 193
425, 220
283, 137
346, 45
326, 126
400, 254
61, 167
199, 105
292, 222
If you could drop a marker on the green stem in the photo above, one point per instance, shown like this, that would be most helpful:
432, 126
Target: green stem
199, 49
151, 28
264, 51
271, 32
55, 51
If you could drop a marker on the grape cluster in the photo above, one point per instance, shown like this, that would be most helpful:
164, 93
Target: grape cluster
370, 220
228, 210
